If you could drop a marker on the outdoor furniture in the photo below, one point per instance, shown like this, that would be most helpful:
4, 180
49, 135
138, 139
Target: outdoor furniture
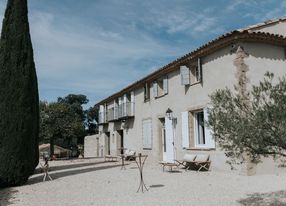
140, 161
196, 161
130, 155
122, 156
187, 160
170, 165
202, 161
45, 169
110, 158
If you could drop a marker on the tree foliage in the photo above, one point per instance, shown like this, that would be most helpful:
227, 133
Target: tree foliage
64, 119
19, 102
254, 126
92, 119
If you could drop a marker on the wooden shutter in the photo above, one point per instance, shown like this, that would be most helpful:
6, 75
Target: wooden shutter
120, 112
185, 75
124, 105
185, 130
199, 70
132, 97
210, 142
155, 89
114, 109
147, 133
165, 85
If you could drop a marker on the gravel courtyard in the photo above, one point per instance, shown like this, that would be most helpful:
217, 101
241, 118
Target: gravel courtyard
86, 182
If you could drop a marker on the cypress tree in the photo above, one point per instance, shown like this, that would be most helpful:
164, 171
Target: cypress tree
19, 100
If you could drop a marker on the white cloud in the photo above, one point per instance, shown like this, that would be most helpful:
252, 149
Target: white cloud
180, 19
98, 62
108, 46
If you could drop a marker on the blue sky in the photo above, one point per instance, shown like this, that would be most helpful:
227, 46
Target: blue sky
97, 47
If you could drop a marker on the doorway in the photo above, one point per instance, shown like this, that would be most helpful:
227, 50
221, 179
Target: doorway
163, 138
107, 146
167, 135
97, 147
121, 141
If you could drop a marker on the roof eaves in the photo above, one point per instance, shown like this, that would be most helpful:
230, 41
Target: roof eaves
265, 23
223, 40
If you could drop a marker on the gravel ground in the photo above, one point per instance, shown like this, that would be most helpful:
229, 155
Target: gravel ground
91, 182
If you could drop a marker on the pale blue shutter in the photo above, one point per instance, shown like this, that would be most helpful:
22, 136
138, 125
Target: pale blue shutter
155, 89
124, 105
185, 75
132, 97
165, 85
114, 109
147, 133
185, 130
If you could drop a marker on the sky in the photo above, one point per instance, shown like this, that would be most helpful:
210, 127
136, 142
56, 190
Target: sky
98, 47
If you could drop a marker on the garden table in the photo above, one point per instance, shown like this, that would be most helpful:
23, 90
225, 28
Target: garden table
140, 161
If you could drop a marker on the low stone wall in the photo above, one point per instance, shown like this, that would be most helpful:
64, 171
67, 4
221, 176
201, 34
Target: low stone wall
91, 146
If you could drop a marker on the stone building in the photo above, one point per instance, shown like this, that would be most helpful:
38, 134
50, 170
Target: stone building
137, 118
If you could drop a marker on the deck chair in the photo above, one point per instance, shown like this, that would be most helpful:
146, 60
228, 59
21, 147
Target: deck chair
202, 161
187, 160
130, 155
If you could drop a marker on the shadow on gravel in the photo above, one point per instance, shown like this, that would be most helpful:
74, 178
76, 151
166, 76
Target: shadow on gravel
7, 196
57, 175
156, 186
65, 167
277, 198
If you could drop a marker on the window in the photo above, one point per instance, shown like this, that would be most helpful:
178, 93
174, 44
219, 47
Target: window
202, 135
197, 74
200, 128
147, 133
146, 92
160, 87
192, 73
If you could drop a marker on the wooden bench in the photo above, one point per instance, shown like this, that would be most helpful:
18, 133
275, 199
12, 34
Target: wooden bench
170, 165
110, 158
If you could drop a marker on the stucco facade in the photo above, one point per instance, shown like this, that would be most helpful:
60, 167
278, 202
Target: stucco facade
146, 128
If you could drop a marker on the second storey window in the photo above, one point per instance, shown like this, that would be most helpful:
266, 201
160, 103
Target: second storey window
146, 92
192, 73
160, 87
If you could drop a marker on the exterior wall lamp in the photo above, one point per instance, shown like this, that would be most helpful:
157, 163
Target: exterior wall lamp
169, 114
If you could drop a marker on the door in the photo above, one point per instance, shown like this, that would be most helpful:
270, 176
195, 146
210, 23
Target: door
107, 146
120, 144
163, 132
97, 147
169, 141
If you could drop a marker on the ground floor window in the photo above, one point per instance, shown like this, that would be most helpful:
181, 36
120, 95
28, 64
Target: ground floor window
200, 128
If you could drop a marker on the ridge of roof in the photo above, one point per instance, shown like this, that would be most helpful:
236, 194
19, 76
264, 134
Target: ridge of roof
202, 50
265, 23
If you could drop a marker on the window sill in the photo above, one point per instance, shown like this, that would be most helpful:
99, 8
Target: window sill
200, 149
147, 148
158, 97
198, 82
